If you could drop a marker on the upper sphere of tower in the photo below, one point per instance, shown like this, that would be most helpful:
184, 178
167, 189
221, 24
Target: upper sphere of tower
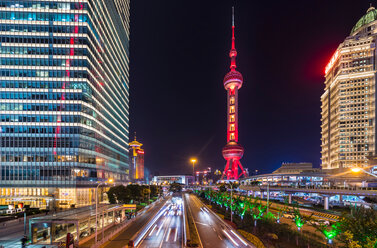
233, 78
369, 17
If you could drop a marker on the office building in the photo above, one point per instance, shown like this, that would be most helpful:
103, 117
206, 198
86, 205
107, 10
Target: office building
64, 94
349, 101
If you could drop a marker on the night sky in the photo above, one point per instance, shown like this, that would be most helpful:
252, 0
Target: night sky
179, 56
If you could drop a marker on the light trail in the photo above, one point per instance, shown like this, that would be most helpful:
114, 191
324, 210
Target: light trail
159, 229
176, 234
231, 239
145, 230
239, 237
168, 235
150, 234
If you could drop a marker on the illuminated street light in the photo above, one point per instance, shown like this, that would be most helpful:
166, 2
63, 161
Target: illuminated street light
193, 161
110, 180
358, 170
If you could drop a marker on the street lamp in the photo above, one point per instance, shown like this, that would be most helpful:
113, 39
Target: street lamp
101, 183
358, 170
193, 161
231, 199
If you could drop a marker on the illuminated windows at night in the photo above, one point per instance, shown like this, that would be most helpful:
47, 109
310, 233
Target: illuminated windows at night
64, 112
232, 118
232, 136
232, 109
232, 128
231, 100
348, 127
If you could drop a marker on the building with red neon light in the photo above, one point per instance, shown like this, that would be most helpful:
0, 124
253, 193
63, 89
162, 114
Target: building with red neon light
64, 64
137, 160
349, 101
232, 152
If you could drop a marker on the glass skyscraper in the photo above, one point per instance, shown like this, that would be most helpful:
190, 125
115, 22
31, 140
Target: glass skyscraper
64, 95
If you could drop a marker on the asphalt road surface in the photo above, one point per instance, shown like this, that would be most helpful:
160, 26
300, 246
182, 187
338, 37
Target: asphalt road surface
122, 239
166, 230
212, 231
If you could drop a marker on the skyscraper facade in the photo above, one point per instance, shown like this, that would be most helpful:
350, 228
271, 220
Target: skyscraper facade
349, 100
64, 96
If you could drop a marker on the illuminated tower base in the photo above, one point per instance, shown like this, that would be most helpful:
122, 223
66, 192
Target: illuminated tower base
233, 152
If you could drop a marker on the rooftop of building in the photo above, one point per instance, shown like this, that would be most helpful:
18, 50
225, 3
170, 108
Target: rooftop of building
369, 17
297, 168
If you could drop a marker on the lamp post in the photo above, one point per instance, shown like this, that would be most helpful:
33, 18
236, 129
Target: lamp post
193, 161
231, 199
231, 202
101, 183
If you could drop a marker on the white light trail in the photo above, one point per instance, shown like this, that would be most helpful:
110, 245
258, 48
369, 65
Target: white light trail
176, 234
150, 234
231, 239
167, 236
239, 238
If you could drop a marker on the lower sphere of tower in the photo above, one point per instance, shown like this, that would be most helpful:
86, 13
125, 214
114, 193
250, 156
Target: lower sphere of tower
233, 150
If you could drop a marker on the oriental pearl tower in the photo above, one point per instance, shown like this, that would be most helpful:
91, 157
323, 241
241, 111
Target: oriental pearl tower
232, 151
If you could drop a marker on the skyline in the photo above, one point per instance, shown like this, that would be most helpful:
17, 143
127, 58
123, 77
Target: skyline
290, 59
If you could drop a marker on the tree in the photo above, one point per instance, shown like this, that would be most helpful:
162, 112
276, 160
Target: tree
175, 187
222, 188
119, 194
361, 223
299, 219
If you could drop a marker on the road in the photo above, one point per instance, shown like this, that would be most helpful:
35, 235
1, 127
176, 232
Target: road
122, 239
166, 230
212, 231
12, 232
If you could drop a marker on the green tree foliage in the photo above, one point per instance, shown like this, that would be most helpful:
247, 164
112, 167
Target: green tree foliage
119, 194
131, 193
175, 187
300, 219
222, 188
361, 224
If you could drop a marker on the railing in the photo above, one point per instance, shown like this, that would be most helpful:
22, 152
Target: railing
112, 233
315, 189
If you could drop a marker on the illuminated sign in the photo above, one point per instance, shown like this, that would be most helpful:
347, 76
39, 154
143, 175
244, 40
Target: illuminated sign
130, 206
332, 61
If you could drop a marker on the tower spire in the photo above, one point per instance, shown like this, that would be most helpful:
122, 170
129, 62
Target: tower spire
233, 51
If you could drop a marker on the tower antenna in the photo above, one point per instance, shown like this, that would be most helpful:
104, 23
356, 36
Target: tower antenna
233, 15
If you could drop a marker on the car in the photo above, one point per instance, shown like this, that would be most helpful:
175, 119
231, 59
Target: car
288, 216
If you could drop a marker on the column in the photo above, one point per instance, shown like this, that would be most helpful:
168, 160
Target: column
326, 202
77, 231
255, 194
290, 198
340, 198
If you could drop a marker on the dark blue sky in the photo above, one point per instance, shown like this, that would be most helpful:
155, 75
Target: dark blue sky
179, 56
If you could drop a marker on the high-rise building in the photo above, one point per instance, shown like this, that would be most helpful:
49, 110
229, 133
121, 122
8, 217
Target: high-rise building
232, 151
64, 96
137, 160
349, 101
